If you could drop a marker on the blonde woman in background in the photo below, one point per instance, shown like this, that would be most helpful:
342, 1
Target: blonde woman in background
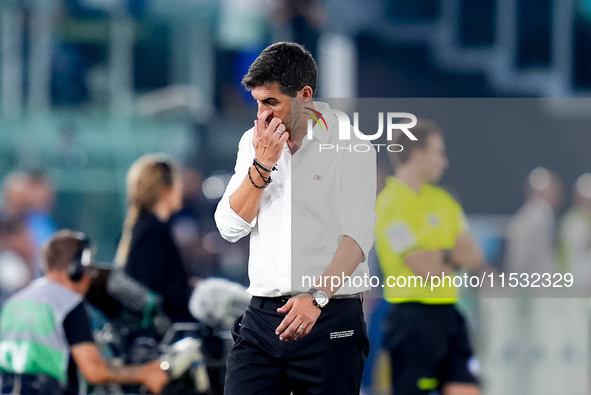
147, 250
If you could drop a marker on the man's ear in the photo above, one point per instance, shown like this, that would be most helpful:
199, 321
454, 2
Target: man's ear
306, 94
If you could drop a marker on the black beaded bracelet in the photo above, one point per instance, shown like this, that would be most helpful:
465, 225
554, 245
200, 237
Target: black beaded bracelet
266, 181
263, 167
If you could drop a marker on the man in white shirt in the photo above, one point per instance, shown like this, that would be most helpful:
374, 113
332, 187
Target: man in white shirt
310, 214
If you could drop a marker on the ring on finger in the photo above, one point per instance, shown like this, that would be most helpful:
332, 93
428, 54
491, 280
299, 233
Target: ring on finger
278, 131
301, 327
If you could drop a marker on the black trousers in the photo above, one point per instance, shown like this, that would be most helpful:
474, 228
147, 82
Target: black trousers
329, 360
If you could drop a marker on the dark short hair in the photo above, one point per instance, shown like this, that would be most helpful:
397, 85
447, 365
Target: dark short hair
60, 250
286, 63
422, 130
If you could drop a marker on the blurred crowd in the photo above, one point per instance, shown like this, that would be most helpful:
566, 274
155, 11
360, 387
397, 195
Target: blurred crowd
550, 234
26, 223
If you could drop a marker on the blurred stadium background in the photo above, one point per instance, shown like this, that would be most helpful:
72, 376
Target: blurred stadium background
87, 86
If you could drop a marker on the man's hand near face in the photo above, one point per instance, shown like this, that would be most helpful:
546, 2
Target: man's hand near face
268, 139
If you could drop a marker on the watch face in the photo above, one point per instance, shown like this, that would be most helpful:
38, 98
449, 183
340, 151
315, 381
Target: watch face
321, 298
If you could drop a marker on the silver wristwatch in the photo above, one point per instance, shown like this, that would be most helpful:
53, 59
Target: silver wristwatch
320, 298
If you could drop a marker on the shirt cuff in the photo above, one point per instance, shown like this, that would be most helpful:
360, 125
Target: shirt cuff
360, 227
232, 227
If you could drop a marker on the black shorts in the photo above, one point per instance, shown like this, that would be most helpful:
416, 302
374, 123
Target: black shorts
329, 360
428, 347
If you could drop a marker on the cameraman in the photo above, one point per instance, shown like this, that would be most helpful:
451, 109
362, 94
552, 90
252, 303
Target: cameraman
45, 331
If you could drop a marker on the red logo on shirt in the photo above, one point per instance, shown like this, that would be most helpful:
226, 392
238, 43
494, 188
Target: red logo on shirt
317, 177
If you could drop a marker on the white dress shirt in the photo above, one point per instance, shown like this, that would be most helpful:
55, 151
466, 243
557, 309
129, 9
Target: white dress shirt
315, 199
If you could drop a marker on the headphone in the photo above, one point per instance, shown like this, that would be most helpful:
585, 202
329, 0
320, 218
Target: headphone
82, 258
